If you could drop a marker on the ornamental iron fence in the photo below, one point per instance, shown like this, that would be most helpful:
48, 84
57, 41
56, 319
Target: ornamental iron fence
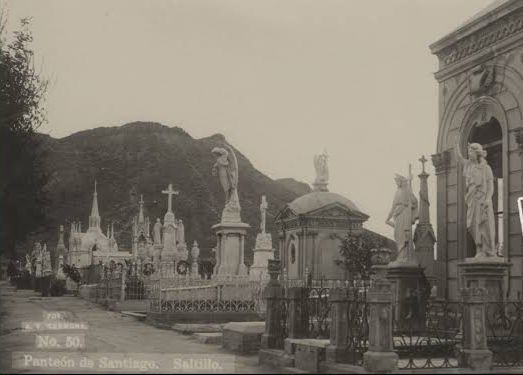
504, 326
357, 325
429, 336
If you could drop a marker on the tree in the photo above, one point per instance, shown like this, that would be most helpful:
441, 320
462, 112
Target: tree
356, 249
22, 176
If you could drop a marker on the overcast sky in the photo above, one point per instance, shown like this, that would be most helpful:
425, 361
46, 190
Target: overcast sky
282, 80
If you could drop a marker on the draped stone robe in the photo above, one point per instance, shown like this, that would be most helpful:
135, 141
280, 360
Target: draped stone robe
403, 219
480, 212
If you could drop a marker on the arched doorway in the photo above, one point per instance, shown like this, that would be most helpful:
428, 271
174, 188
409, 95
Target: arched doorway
490, 135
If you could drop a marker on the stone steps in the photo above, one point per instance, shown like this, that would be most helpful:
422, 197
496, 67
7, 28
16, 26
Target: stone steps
189, 329
141, 316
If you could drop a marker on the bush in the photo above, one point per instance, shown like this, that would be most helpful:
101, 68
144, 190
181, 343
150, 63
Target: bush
57, 288
72, 273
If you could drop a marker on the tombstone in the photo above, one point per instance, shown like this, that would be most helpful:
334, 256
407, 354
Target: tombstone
405, 274
263, 251
169, 249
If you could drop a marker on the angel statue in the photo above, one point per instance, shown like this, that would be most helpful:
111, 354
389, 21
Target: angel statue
403, 217
226, 168
322, 171
479, 182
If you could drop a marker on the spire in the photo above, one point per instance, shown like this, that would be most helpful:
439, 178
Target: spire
140, 214
60, 247
94, 219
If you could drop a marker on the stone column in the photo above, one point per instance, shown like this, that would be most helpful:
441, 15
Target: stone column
424, 237
297, 317
474, 353
381, 356
124, 277
441, 165
273, 294
336, 351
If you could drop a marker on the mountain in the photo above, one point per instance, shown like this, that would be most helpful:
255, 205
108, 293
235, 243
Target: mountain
297, 187
143, 158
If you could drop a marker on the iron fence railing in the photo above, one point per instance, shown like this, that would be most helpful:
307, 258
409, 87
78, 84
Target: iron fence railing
318, 310
357, 325
504, 321
430, 339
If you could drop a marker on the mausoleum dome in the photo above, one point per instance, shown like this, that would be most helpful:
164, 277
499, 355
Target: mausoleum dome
318, 199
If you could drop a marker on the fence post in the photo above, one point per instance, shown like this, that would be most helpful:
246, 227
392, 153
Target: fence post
381, 356
122, 290
273, 294
297, 317
336, 351
475, 353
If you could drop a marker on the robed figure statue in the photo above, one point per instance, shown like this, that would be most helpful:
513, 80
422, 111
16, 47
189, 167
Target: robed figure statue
322, 172
479, 183
226, 168
402, 216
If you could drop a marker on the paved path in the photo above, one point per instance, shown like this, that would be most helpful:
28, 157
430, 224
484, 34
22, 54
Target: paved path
108, 332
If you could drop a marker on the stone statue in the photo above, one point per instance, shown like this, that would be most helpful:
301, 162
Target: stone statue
479, 182
181, 232
403, 218
226, 168
28, 263
263, 209
322, 172
157, 232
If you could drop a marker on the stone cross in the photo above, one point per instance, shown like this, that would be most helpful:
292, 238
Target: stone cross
423, 161
170, 192
263, 209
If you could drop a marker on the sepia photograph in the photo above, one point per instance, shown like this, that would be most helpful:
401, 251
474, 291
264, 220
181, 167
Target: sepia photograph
261, 186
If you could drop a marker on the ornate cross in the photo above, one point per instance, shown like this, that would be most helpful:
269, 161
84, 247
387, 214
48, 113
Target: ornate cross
423, 161
170, 192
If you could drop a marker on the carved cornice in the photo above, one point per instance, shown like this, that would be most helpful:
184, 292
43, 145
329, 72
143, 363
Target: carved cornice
441, 162
329, 223
482, 39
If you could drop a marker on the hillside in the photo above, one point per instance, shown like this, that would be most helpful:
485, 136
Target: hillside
143, 158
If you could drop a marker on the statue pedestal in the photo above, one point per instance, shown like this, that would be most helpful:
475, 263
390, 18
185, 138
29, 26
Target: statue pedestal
181, 252
262, 253
157, 253
407, 294
230, 246
484, 272
169, 249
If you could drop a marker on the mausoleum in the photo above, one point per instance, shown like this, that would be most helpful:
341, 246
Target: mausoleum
480, 78
312, 228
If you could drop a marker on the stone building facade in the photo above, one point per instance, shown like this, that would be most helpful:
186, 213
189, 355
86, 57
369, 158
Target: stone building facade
480, 79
